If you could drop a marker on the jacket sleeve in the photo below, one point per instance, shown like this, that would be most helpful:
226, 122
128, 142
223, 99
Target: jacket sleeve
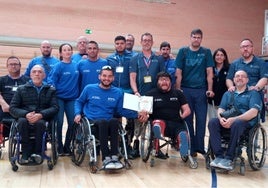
16, 109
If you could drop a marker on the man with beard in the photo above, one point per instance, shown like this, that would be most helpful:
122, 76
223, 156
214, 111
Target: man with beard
100, 103
90, 67
194, 77
169, 109
130, 41
46, 60
170, 67
119, 61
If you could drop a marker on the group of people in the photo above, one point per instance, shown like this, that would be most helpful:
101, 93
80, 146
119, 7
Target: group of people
188, 86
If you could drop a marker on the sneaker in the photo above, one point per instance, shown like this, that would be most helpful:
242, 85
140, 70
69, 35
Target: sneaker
157, 131
36, 158
161, 155
24, 158
215, 162
24, 161
108, 163
225, 164
183, 143
117, 163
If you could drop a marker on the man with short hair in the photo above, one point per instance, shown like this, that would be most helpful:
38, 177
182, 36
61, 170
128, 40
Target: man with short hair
89, 68
169, 106
170, 66
194, 75
249, 103
81, 46
119, 61
143, 71
33, 104
130, 41
107, 102
8, 87
46, 60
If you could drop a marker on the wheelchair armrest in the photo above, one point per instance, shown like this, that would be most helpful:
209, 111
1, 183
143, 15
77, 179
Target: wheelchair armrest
7, 121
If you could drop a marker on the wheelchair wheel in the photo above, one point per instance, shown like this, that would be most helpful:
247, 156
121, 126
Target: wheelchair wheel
146, 141
13, 147
54, 143
78, 145
257, 148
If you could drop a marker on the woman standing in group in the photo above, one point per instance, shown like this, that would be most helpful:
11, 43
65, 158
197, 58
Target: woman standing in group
65, 77
220, 70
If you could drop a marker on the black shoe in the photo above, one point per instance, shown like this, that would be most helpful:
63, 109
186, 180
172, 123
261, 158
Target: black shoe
134, 153
67, 151
161, 155
130, 154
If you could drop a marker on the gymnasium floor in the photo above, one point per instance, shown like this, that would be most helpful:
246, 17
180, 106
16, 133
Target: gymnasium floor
172, 172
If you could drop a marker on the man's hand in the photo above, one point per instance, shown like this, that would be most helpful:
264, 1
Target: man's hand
231, 89
77, 119
33, 117
227, 123
5, 107
143, 116
210, 94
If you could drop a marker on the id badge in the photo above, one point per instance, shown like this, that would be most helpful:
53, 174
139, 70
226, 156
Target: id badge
147, 79
119, 69
14, 88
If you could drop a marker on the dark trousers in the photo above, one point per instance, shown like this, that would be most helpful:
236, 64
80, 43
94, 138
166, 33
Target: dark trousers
108, 129
25, 130
215, 131
197, 101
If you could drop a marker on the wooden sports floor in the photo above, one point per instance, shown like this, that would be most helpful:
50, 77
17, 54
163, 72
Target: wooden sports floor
172, 172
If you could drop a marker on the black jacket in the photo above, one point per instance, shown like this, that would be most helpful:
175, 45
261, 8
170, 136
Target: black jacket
219, 86
28, 99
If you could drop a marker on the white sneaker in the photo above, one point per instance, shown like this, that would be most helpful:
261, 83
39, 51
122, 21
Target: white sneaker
108, 163
117, 163
215, 162
226, 164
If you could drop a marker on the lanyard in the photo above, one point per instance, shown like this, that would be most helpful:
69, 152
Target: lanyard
147, 62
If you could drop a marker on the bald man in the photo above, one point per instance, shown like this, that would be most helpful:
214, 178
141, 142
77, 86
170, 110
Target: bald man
46, 59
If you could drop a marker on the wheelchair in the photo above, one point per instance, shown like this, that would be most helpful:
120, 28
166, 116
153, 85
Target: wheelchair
84, 141
253, 140
5, 125
150, 145
49, 146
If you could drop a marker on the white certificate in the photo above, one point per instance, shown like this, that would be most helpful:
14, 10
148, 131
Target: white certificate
136, 103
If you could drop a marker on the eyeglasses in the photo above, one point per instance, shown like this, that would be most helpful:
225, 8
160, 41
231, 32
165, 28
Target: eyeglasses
246, 46
240, 76
106, 67
147, 40
13, 64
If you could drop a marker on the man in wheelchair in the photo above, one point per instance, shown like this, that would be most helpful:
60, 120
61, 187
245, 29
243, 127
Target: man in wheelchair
32, 105
248, 104
169, 109
100, 103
